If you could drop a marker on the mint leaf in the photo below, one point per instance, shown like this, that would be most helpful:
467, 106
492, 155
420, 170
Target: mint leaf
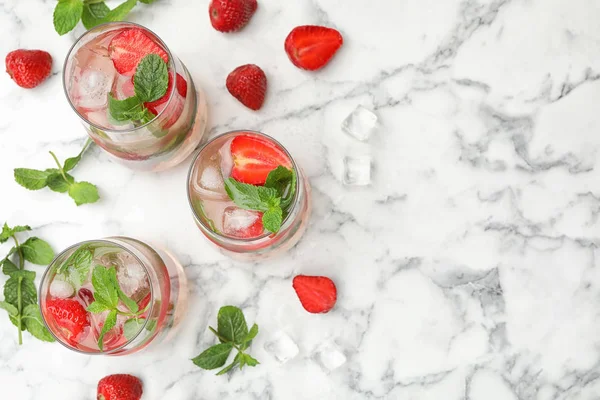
129, 303
37, 251
251, 335
80, 261
22, 273
12, 310
213, 357
125, 110
31, 179
67, 14
56, 182
94, 14
247, 359
147, 1
250, 197
272, 219
97, 307
28, 294
105, 285
8, 267
83, 193
228, 368
32, 319
151, 78
120, 12
279, 179
8, 232
232, 324
132, 326
109, 323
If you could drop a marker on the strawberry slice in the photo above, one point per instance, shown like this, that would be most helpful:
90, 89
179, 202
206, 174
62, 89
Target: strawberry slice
128, 48
69, 316
317, 294
312, 47
254, 157
181, 89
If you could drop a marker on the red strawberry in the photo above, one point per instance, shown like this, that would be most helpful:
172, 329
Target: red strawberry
231, 15
181, 89
120, 387
70, 317
311, 47
28, 68
129, 47
316, 293
230, 220
254, 157
248, 84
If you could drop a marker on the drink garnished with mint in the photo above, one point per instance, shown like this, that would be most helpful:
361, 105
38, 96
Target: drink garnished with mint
136, 99
112, 296
247, 194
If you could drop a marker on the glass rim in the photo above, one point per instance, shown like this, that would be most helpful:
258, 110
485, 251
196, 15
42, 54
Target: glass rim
170, 68
50, 267
207, 228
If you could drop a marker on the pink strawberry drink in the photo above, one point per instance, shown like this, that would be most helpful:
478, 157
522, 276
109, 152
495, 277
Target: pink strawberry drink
137, 101
112, 296
248, 196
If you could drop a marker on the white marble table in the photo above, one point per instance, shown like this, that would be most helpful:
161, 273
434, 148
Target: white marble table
468, 270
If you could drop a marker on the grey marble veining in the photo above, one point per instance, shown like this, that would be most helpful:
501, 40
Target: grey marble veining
467, 270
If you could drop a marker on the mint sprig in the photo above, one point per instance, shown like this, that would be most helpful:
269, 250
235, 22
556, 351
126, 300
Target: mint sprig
68, 13
272, 199
20, 294
107, 293
150, 83
59, 180
232, 331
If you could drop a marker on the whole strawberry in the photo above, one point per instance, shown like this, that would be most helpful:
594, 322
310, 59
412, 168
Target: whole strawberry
248, 84
231, 15
119, 387
28, 68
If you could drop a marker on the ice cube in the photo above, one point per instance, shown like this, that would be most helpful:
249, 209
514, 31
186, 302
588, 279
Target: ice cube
360, 124
282, 347
357, 170
61, 289
93, 88
114, 337
237, 222
99, 118
123, 87
208, 181
330, 357
132, 277
211, 179
226, 159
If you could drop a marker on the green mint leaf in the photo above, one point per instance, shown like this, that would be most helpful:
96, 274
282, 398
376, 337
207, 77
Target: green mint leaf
231, 324
272, 219
105, 285
213, 357
12, 310
129, 303
31, 179
37, 251
83, 193
151, 78
8, 267
109, 323
32, 319
28, 294
251, 335
97, 307
250, 197
77, 266
247, 359
94, 14
132, 326
23, 273
228, 368
147, 1
120, 12
56, 182
71, 163
124, 110
280, 179
8, 232
67, 14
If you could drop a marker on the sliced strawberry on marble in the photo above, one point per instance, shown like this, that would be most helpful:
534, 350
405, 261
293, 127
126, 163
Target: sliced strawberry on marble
254, 157
317, 294
127, 49
69, 316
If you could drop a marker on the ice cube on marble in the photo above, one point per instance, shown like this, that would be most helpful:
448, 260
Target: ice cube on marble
61, 289
236, 220
330, 357
282, 347
360, 124
357, 170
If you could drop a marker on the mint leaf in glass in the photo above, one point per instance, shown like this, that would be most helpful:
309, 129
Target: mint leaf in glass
109, 323
151, 78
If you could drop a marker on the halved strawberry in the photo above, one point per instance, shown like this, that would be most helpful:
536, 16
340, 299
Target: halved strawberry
129, 47
235, 223
254, 157
311, 47
317, 294
69, 316
181, 89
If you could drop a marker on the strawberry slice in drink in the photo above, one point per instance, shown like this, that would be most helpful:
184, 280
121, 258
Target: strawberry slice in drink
127, 49
70, 317
254, 158
181, 89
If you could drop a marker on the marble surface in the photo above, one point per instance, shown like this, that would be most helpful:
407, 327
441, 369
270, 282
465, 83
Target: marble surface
469, 269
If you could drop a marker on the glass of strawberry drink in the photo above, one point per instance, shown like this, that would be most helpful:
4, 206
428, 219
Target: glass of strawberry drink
248, 196
136, 99
112, 296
